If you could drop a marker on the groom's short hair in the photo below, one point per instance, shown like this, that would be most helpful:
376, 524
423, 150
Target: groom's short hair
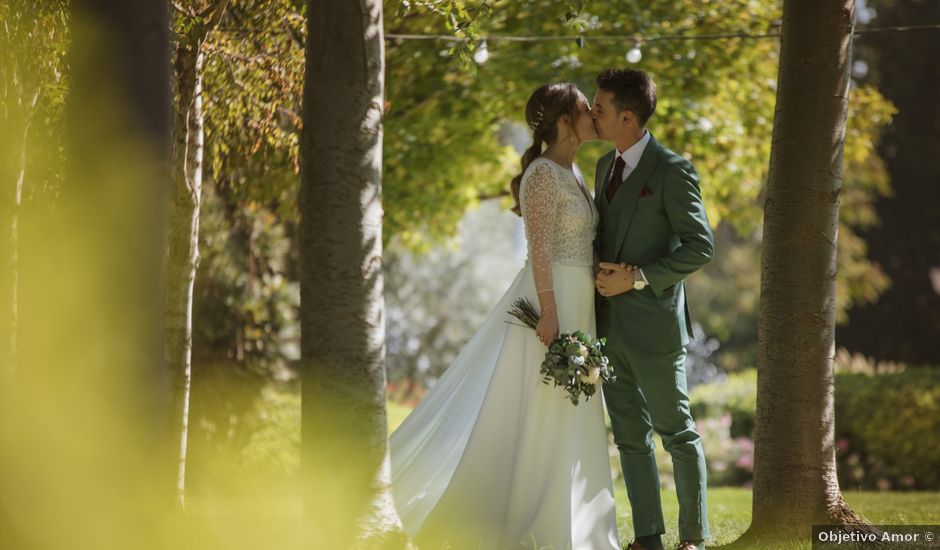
633, 90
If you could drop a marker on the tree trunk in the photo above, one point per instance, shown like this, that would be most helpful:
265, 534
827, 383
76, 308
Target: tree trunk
795, 484
21, 91
183, 241
14, 225
345, 464
183, 256
16, 117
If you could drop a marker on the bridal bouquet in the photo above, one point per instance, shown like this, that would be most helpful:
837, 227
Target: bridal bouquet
573, 361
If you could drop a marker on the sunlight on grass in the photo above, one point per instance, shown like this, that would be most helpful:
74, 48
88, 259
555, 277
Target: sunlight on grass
396, 415
729, 512
729, 508
225, 521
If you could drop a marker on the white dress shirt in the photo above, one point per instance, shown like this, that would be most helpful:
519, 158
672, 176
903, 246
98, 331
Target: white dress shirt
631, 157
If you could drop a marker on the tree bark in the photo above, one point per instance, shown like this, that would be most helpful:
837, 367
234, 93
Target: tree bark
183, 241
795, 484
13, 223
345, 464
183, 256
20, 94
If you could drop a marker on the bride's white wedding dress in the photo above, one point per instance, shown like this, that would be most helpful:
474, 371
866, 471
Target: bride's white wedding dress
492, 457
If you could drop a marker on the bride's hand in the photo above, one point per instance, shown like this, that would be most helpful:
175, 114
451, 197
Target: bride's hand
547, 327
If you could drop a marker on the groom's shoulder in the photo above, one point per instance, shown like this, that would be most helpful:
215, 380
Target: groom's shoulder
675, 161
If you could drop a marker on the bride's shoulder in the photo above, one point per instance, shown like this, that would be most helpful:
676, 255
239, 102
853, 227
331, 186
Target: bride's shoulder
540, 166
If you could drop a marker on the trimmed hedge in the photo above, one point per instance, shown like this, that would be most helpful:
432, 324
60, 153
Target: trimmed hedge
887, 427
737, 396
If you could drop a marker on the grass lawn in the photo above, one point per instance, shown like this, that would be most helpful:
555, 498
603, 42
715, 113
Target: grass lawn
729, 508
252, 523
396, 414
729, 512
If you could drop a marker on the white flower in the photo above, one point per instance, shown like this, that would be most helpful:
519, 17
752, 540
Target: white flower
592, 376
578, 360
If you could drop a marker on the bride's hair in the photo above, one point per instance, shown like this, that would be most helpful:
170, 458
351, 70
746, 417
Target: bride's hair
545, 106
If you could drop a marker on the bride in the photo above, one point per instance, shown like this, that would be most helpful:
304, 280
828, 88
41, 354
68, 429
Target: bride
492, 457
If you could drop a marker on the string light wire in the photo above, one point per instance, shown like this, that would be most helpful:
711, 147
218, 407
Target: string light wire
637, 37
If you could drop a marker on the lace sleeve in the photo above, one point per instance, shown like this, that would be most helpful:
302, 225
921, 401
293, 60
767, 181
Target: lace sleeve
538, 197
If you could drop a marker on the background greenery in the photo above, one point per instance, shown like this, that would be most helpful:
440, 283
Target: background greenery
886, 416
451, 145
451, 141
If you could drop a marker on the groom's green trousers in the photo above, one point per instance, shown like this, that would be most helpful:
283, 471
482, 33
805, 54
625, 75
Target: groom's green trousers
650, 393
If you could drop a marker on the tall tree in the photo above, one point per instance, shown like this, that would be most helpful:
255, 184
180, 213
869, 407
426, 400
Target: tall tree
195, 19
33, 39
795, 484
345, 463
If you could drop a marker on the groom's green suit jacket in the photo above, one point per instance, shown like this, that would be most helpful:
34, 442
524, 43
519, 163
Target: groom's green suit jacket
657, 222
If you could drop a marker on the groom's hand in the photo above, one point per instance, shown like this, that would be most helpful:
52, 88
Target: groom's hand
614, 279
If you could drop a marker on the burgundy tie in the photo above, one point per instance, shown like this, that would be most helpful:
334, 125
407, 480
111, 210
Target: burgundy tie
616, 178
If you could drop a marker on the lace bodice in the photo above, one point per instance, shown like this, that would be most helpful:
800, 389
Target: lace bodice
560, 218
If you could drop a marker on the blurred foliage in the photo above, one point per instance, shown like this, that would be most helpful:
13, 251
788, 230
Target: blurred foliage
716, 107
886, 428
724, 416
724, 298
253, 88
442, 155
860, 281
245, 307
731, 283
246, 291
436, 300
886, 416
706, 111
81, 414
244, 433
735, 396
34, 40
444, 148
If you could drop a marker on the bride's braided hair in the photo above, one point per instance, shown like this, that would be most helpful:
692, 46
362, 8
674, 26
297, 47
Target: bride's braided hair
545, 106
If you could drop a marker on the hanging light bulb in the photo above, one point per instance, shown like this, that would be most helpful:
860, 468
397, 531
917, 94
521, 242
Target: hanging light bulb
634, 55
482, 54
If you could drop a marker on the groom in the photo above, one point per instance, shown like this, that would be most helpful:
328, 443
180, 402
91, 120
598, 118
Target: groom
653, 232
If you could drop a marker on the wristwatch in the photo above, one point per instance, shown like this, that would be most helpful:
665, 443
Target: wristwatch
639, 283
